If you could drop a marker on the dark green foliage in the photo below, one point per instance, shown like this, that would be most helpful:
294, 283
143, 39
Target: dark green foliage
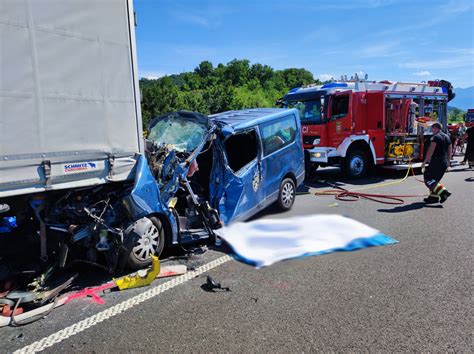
455, 115
209, 89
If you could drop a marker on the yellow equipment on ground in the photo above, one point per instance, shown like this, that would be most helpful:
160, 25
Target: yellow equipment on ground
137, 280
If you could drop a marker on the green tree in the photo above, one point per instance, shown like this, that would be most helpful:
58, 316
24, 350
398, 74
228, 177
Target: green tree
194, 101
262, 73
218, 98
455, 114
209, 89
204, 69
237, 72
297, 77
159, 98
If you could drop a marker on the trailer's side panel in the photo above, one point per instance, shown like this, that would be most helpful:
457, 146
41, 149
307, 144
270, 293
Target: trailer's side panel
67, 93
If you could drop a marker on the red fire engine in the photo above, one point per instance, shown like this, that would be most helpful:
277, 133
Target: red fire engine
357, 124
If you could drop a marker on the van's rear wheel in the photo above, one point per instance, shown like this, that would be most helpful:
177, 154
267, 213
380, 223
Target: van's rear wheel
287, 194
356, 164
148, 239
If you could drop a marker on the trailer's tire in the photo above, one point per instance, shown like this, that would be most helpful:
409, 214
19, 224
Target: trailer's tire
286, 194
356, 164
148, 240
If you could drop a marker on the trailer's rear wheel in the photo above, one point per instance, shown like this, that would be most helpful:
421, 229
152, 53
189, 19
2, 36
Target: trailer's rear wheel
356, 164
149, 239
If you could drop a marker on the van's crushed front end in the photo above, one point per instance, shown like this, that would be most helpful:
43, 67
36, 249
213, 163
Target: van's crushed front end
114, 225
181, 156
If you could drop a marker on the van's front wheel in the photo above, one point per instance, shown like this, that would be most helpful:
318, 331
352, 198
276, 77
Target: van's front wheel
148, 240
287, 194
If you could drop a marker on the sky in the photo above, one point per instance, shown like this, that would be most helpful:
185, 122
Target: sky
400, 40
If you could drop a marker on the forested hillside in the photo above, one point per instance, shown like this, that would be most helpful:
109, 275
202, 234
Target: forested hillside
208, 89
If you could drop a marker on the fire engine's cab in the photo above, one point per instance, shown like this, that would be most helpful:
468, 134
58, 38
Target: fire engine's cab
357, 124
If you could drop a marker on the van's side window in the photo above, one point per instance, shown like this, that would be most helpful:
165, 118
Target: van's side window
241, 149
278, 134
339, 106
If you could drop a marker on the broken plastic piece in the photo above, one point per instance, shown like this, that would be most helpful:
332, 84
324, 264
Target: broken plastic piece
36, 314
47, 295
92, 292
7, 311
136, 281
212, 285
171, 271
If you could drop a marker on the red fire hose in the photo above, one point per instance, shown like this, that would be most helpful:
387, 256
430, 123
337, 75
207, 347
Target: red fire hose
351, 196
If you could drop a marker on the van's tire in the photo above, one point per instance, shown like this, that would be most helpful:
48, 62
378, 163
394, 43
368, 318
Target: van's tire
286, 194
148, 240
356, 164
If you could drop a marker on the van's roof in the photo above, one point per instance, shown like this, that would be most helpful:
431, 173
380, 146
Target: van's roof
245, 118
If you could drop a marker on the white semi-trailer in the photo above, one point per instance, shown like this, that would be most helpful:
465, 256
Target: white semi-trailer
69, 98
71, 133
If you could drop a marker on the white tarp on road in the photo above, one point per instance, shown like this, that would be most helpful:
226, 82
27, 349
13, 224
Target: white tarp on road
264, 242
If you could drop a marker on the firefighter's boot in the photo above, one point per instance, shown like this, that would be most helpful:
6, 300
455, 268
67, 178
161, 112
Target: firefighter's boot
432, 199
444, 195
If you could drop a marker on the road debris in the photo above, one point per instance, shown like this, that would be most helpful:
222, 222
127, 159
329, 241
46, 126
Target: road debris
92, 292
211, 285
137, 279
172, 270
43, 292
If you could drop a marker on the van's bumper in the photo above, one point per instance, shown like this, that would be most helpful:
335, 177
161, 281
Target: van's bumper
321, 154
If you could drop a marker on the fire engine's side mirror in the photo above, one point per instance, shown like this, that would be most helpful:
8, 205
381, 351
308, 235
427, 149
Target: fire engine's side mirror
323, 117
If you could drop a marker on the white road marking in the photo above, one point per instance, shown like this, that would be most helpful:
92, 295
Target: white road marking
119, 308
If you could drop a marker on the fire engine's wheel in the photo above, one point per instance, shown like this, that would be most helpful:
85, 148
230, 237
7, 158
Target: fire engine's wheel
311, 169
287, 194
356, 164
148, 239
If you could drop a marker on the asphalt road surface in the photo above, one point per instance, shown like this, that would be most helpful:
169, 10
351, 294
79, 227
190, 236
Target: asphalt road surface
416, 295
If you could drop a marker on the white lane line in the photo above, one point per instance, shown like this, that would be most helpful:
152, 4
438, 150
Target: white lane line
119, 308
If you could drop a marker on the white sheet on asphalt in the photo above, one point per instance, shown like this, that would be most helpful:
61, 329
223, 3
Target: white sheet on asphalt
266, 241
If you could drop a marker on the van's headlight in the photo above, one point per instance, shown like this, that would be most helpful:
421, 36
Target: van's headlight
316, 141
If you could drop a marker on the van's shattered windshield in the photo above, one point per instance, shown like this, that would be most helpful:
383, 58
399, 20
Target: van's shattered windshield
183, 134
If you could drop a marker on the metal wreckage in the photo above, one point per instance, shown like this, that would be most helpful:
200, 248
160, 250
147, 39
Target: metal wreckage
197, 174
122, 224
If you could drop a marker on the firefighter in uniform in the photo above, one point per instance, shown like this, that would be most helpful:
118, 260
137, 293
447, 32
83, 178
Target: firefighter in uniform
469, 155
438, 157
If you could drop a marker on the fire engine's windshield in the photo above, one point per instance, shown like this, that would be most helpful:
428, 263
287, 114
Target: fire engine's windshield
310, 111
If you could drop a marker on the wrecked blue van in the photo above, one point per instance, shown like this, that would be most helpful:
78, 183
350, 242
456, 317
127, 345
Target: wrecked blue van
218, 169
198, 173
